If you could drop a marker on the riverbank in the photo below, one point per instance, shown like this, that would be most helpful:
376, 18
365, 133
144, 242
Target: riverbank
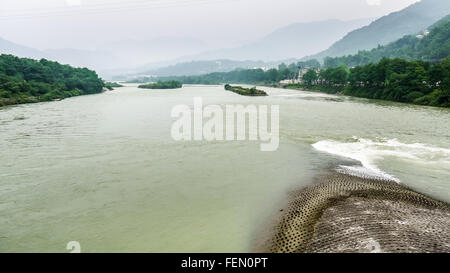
344, 213
25, 80
368, 94
335, 90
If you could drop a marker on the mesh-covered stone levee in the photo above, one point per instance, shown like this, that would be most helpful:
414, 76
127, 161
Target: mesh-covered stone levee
351, 214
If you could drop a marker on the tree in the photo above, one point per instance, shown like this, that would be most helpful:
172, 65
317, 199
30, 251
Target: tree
339, 75
310, 77
272, 75
25, 80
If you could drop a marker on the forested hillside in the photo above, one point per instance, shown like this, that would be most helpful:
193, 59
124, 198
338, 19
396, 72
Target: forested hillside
387, 29
204, 67
250, 76
433, 47
26, 80
293, 41
391, 79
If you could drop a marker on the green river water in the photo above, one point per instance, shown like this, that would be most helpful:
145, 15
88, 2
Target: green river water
104, 170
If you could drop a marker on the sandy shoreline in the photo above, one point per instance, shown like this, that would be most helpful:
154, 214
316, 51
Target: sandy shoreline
344, 213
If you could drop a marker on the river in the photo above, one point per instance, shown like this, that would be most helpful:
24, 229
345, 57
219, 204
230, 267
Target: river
104, 170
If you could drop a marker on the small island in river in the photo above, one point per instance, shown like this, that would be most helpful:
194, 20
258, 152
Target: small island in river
111, 85
162, 85
245, 91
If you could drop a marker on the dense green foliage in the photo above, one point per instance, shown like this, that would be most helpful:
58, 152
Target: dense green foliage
310, 77
387, 29
247, 76
391, 79
26, 80
162, 85
250, 76
245, 91
112, 85
433, 47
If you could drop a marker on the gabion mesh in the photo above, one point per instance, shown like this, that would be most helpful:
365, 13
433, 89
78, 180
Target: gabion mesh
351, 214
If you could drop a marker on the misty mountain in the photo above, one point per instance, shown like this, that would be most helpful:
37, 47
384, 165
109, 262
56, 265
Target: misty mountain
389, 28
7, 47
80, 58
432, 46
293, 41
94, 59
286, 44
205, 67
140, 52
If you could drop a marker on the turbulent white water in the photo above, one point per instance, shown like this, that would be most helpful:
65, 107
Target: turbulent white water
369, 152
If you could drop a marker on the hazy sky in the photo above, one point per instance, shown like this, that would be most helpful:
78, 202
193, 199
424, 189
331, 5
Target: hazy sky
89, 24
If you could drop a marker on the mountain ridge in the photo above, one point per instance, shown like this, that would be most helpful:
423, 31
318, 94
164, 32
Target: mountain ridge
432, 47
415, 18
75, 57
260, 53
292, 41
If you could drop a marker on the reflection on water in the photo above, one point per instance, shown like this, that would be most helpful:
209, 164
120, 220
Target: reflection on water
104, 171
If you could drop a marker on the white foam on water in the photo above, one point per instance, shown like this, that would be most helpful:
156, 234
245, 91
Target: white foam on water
369, 152
364, 172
